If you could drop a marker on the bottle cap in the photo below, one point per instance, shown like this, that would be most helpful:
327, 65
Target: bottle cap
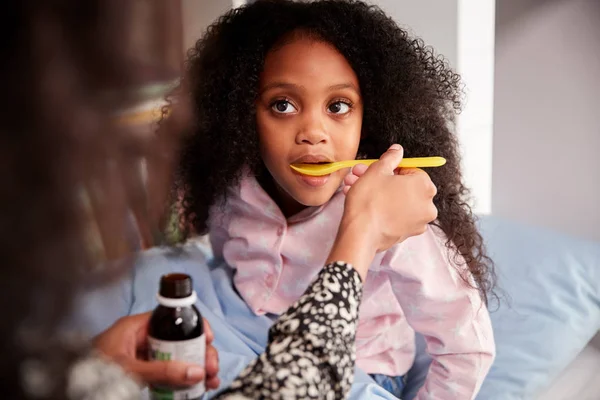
175, 286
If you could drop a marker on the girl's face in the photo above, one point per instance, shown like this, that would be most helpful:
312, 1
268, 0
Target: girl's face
309, 110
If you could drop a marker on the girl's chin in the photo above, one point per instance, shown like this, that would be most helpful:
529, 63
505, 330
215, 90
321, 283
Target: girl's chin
314, 198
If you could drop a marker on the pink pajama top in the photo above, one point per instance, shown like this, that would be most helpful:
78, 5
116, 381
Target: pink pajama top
414, 286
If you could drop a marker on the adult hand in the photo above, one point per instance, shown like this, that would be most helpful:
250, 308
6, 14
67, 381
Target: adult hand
384, 205
126, 344
396, 202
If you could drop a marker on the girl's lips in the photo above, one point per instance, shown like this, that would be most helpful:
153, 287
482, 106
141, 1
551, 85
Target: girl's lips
313, 181
312, 159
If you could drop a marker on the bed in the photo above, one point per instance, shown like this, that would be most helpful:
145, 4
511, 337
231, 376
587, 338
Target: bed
544, 325
581, 379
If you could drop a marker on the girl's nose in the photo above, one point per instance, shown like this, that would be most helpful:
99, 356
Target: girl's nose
312, 130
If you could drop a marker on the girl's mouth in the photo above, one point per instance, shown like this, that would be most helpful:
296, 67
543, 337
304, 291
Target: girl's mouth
312, 159
312, 181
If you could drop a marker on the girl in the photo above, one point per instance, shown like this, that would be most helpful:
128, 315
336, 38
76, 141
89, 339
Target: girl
279, 82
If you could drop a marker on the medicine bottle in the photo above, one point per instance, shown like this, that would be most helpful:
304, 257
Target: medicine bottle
176, 332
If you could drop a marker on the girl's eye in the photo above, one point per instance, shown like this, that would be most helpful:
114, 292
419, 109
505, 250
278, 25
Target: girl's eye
339, 108
283, 107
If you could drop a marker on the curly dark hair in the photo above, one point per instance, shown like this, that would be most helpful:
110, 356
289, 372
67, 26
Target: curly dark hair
411, 96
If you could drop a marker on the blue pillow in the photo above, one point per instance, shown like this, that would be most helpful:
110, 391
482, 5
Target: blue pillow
549, 311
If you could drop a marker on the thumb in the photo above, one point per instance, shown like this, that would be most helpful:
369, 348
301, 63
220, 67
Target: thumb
389, 161
171, 373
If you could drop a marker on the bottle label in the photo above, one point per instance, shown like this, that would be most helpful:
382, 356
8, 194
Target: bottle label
190, 351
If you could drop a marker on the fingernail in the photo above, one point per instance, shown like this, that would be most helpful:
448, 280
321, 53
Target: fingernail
395, 147
194, 373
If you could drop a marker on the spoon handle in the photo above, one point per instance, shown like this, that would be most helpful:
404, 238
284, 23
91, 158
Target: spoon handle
325, 169
415, 162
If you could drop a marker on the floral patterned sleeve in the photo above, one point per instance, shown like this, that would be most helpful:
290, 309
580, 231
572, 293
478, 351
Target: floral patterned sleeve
311, 351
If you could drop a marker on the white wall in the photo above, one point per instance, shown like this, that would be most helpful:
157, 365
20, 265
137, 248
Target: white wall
435, 21
198, 15
546, 156
476, 43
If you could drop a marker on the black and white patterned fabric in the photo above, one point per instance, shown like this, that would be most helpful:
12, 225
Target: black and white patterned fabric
311, 351
310, 355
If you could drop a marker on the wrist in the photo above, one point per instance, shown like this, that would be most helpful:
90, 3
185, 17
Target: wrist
360, 227
355, 244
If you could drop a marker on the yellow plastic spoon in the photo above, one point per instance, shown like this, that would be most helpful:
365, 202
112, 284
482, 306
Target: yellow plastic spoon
326, 169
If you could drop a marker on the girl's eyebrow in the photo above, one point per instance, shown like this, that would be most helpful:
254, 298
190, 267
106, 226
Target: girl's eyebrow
282, 85
292, 86
341, 86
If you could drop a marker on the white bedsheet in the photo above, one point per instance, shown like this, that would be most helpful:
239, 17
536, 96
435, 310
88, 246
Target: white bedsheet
581, 380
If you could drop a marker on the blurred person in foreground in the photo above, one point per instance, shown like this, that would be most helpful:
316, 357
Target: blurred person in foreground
69, 187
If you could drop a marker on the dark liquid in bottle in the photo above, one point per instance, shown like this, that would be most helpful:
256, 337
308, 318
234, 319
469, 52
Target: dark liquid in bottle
176, 332
169, 323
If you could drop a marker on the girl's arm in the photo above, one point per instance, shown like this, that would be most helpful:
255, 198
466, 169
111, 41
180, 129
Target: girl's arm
449, 313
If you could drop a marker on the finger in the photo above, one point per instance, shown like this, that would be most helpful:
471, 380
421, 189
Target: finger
359, 169
208, 331
389, 161
347, 189
139, 324
411, 171
213, 383
172, 373
430, 188
350, 179
212, 361
135, 321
